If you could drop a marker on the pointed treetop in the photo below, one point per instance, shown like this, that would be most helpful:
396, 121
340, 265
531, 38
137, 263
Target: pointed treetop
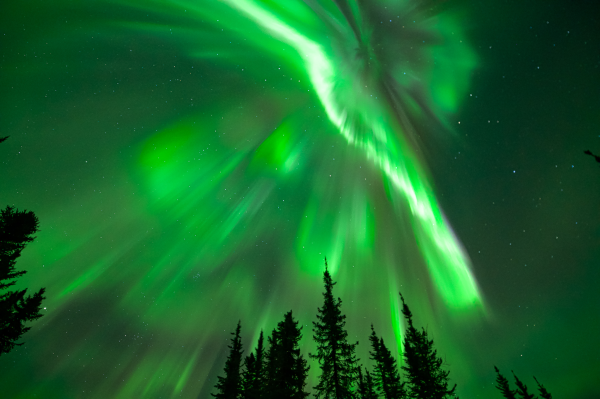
543, 392
329, 283
336, 356
327, 275
503, 385
522, 388
259, 349
426, 379
406, 311
230, 386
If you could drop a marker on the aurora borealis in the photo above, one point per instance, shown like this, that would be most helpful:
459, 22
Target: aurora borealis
192, 162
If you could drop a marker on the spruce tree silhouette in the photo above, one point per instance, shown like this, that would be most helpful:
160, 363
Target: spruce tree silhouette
249, 380
366, 385
543, 392
503, 385
423, 369
522, 389
16, 231
254, 373
230, 386
336, 357
287, 369
385, 375
271, 364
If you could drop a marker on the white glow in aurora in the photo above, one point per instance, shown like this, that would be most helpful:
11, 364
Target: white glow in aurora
253, 139
382, 144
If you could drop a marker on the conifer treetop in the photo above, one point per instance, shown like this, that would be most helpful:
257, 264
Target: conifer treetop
426, 379
503, 386
386, 378
522, 388
543, 392
336, 357
230, 386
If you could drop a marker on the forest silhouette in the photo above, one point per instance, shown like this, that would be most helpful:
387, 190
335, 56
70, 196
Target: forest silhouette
280, 371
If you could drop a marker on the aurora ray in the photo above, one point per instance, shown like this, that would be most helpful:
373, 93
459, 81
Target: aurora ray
232, 203
371, 105
366, 124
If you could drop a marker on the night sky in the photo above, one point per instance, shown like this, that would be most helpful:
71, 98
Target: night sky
192, 163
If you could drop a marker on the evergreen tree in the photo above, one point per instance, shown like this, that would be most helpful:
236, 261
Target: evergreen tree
366, 386
370, 390
426, 378
254, 373
386, 376
271, 363
360, 391
249, 383
503, 385
543, 392
16, 231
287, 369
230, 386
522, 389
336, 357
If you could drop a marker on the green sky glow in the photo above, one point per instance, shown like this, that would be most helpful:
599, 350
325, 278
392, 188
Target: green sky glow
192, 163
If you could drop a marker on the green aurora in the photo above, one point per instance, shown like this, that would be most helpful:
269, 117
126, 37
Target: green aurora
194, 161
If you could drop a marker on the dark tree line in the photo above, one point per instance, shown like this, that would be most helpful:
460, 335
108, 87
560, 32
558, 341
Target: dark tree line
280, 371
